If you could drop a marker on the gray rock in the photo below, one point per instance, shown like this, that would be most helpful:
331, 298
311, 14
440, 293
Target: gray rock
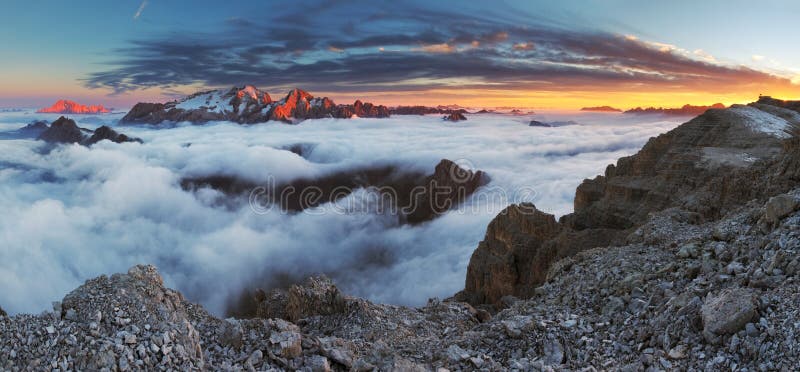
690, 250
727, 312
779, 207
335, 349
287, 344
318, 363
255, 358
553, 352
230, 334
456, 354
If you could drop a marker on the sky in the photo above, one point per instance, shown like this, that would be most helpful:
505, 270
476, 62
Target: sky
539, 54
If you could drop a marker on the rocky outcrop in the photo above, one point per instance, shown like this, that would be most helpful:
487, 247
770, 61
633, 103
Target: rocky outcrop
707, 166
248, 105
685, 110
409, 196
3, 312
62, 130
456, 116
520, 245
316, 296
446, 188
106, 133
150, 113
65, 130
536, 123
73, 108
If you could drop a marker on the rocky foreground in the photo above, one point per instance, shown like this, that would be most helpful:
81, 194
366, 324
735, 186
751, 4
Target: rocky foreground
684, 256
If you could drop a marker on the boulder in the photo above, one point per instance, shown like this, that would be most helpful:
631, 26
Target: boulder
3, 312
779, 207
727, 312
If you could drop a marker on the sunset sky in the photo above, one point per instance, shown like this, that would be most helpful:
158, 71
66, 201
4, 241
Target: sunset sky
541, 54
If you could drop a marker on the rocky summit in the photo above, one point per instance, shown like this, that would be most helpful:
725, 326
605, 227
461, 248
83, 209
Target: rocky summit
65, 130
249, 105
684, 256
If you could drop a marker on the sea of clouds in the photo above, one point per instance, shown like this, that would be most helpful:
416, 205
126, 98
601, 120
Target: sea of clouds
71, 213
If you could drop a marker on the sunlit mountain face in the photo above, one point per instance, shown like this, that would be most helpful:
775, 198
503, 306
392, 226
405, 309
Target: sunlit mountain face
69, 107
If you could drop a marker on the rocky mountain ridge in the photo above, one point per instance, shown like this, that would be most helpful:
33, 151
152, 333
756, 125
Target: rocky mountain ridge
64, 130
248, 105
683, 256
685, 110
601, 109
700, 166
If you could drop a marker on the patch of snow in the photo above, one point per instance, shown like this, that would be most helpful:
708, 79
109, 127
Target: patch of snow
762, 122
214, 101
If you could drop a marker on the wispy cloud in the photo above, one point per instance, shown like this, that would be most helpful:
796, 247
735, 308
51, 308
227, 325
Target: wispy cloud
140, 10
398, 47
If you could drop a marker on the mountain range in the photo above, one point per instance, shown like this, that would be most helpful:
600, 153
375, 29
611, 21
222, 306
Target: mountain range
248, 105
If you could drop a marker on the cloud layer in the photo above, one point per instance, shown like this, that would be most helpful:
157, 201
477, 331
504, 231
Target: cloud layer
406, 46
71, 213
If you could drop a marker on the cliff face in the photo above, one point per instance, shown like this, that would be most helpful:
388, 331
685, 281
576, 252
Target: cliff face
707, 166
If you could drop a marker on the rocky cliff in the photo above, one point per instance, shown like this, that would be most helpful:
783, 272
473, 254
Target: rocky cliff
705, 167
248, 105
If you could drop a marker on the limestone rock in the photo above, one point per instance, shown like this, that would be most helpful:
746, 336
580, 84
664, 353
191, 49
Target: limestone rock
727, 312
779, 207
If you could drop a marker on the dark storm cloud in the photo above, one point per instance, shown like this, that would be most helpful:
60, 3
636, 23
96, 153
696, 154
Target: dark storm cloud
406, 46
